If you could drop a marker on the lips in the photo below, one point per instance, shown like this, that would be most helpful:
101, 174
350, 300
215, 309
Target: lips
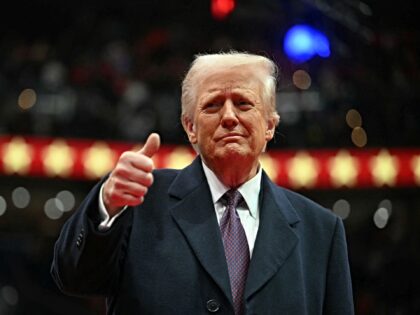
229, 136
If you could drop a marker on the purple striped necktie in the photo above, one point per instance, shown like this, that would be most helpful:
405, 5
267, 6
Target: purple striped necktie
236, 249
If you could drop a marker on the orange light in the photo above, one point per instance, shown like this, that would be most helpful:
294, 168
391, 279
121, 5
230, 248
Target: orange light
220, 9
327, 168
302, 79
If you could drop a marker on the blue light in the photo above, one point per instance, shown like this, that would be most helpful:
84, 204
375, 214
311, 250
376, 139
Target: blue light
302, 42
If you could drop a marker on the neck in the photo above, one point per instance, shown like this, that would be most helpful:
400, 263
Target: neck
233, 173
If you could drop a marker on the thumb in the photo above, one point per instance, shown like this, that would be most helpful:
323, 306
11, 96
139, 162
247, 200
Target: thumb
151, 146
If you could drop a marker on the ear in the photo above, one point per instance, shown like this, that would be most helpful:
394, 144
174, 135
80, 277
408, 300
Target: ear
189, 128
271, 126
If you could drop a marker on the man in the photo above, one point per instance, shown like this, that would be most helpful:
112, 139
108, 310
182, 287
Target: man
167, 241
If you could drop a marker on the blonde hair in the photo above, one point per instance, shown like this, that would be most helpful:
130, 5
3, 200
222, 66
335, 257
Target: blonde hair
207, 64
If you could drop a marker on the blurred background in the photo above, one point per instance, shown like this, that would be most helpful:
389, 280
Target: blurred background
80, 82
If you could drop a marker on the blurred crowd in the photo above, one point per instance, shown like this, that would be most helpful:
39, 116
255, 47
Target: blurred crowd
114, 90
117, 78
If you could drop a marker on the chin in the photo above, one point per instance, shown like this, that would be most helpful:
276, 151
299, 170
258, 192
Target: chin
231, 152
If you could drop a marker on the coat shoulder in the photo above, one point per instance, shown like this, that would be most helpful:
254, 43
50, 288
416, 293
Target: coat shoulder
307, 209
166, 172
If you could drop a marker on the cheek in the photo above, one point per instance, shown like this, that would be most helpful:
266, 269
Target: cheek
255, 125
259, 133
204, 136
208, 125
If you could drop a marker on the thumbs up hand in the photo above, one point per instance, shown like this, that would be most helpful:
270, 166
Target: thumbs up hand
132, 176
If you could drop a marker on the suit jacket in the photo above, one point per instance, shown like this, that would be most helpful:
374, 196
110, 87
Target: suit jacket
166, 256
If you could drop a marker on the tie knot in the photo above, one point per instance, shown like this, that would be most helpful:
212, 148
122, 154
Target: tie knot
233, 197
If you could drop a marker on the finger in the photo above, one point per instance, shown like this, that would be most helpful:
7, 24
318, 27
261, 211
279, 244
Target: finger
151, 146
132, 188
114, 199
133, 200
130, 159
142, 178
141, 163
127, 200
137, 172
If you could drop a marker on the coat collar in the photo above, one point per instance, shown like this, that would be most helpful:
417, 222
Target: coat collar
193, 211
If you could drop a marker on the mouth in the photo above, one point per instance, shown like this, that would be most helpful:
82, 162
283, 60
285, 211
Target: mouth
230, 137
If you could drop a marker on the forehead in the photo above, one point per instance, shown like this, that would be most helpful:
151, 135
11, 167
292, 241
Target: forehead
234, 78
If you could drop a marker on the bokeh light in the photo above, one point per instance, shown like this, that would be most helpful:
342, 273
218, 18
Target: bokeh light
302, 79
3, 205
381, 217
387, 204
54, 208
65, 200
359, 137
342, 208
302, 42
353, 118
220, 9
21, 197
27, 99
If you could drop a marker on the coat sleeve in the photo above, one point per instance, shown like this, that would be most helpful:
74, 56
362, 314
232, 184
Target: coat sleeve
338, 295
87, 261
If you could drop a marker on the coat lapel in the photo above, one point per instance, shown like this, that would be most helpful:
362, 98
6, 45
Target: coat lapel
275, 239
194, 213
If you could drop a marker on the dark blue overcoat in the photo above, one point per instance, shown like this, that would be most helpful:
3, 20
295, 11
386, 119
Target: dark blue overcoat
166, 256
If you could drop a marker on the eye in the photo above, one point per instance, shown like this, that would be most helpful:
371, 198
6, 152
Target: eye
244, 104
212, 106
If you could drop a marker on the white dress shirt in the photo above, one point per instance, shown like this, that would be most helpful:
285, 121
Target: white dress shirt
248, 212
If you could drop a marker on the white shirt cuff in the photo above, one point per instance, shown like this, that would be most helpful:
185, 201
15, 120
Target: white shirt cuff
106, 220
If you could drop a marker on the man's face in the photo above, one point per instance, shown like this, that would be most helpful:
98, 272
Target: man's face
230, 121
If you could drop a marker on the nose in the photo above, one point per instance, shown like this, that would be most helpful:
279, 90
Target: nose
229, 117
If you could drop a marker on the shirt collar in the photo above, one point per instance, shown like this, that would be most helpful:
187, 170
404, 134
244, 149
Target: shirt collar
249, 190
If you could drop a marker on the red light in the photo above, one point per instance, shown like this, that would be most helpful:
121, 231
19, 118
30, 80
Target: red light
220, 9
